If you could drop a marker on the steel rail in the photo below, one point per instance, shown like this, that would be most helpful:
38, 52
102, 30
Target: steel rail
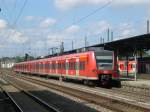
35, 98
13, 101
91, 97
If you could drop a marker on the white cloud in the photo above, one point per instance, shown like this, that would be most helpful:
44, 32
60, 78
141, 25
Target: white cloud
47, 22
17, 37
38, 44
125, 30
131, 2
68, 4
3, 24
103, 25
56, 38
72, 29
65, 34
2, 46
29, 18
99, 27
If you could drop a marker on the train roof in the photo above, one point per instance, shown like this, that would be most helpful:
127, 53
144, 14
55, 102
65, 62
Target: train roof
67, 55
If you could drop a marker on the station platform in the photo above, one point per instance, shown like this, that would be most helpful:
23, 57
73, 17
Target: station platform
139, 83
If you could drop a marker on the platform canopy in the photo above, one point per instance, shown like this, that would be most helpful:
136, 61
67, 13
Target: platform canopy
126, 45
122, 46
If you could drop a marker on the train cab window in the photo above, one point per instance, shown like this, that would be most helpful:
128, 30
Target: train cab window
104, 60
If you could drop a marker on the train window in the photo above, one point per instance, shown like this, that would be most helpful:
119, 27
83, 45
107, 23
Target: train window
74, 65
64, 66
67, 65
41, 66
82, 65
70, 65
46, 66
77, 66
49, 66
59, 65
53, 66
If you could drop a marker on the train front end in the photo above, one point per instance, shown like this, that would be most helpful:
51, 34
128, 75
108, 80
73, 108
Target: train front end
106, 67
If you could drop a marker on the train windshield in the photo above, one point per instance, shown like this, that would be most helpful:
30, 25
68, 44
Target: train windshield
104, 60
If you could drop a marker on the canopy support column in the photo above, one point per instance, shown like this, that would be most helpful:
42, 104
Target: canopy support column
135, 59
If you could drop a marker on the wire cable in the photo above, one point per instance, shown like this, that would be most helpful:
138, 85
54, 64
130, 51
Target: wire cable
93, 12
21, 11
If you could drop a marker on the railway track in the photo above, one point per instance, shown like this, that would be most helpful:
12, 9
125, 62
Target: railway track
139, 94
119, 105
24, 101
6, 104
60, 102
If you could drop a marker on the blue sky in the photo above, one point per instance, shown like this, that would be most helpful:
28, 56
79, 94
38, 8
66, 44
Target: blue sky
43, 24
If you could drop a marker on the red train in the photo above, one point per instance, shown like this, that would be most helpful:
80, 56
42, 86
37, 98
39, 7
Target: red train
90, 66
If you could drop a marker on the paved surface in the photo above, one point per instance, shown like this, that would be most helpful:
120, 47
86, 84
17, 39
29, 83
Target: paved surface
139, 83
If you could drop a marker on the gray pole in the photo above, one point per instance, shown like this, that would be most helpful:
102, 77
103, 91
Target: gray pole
147, 26
103, 41
62, 47
112, 36
135, 59
72, 45
85, 40
108, 35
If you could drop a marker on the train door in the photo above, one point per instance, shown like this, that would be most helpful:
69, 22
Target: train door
83, 65
67, 67
46, 67
50, 67
77, 67
63, 68
56, 68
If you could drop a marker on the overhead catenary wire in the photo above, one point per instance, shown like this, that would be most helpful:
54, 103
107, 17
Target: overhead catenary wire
9, 13
21, 11
93, 12
90, 14
12, 25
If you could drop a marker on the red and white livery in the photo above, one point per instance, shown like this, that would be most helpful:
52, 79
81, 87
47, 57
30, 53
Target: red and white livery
87, 66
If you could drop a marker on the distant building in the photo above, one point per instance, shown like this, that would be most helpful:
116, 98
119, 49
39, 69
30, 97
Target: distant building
7, 63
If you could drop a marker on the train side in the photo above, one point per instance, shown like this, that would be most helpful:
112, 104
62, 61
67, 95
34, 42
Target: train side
87, 66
